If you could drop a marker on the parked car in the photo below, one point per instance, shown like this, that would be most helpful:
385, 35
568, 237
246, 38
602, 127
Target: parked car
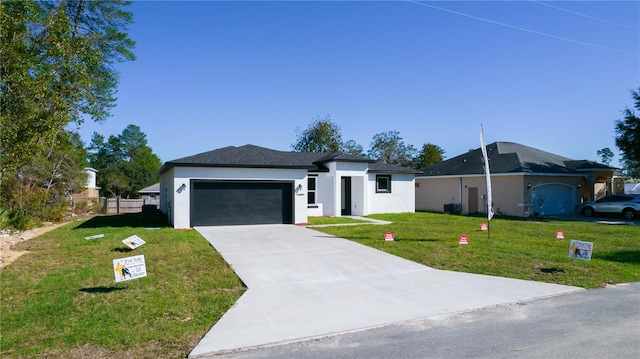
627, 205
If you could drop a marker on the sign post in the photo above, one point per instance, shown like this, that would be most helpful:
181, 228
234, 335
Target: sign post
485, 157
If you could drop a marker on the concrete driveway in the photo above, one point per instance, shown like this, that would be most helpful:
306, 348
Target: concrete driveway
304, 284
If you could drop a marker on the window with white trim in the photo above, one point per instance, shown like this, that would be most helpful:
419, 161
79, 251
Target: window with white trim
383, 183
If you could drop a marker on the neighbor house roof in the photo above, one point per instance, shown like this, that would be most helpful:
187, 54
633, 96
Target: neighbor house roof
154, 188
250, 156
509, 157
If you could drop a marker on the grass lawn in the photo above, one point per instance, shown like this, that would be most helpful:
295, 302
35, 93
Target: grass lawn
61, 299
524, 249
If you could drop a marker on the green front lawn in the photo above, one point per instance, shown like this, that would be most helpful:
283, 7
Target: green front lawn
524, 249
61, 299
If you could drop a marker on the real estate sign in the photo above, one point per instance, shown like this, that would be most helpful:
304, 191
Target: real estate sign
580, 250
133, 242
129, 268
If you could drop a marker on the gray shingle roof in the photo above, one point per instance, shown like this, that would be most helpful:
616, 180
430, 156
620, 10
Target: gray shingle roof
381, 167
154, 188
250, 156
509, 157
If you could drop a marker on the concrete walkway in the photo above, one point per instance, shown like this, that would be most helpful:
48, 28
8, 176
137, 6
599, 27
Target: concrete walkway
365, 220
304, 284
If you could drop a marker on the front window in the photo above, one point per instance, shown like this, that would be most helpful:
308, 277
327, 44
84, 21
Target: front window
383, 184
311, 190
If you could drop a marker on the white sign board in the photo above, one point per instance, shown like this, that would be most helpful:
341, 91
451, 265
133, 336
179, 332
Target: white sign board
129, 268
133, 242
580, 250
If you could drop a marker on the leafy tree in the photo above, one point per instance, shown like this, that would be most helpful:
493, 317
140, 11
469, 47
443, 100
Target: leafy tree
429, 155
628, 138
125, 162
353, 148
389, 148
322, 135
57, 66
41, 191
605, 155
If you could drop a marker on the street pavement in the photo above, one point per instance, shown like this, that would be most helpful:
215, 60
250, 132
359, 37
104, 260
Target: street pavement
303, 284
599, 323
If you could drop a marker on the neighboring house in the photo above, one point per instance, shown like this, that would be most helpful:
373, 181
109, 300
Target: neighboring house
151, 195
91, 192
256, 185
525, 182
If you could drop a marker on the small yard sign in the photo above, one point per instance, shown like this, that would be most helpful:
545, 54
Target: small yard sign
580, 250
129, 268
389, 237
133, 242
463, 240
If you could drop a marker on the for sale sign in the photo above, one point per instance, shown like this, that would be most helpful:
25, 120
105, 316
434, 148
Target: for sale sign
133, 242
129, 268
580, 250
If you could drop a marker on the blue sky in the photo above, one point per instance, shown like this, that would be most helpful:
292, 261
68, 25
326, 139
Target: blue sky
553, 75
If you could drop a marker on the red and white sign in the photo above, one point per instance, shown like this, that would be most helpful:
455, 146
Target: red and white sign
389, 236
463, 240
560, 234
484, 227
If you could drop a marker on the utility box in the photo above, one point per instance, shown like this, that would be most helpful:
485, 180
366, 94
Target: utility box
452, 208
149, 211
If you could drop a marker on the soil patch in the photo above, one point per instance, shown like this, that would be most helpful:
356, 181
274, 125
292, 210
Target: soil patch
8, 239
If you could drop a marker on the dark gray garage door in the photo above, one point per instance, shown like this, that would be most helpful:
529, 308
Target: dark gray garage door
222, 203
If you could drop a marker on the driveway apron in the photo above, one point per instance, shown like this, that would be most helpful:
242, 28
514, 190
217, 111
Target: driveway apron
304, 284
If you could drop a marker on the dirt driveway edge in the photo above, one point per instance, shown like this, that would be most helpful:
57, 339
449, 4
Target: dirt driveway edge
7, 240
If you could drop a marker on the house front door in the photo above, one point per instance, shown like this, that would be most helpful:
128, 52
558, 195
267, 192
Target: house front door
345, 195
473, 199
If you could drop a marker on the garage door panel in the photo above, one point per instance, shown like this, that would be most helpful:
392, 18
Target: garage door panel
236, 203
554, 199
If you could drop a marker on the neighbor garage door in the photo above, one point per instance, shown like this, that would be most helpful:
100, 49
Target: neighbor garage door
220, 203
555, 199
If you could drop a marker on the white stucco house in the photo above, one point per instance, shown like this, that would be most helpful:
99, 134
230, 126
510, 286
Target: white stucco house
257, 185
